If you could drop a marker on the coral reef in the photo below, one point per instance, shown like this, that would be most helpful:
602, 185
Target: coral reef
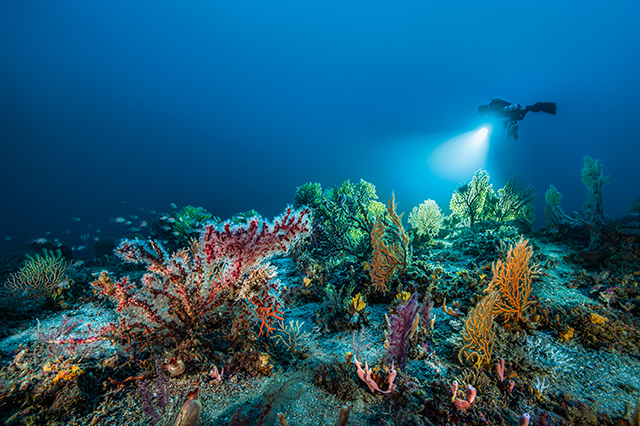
332, 311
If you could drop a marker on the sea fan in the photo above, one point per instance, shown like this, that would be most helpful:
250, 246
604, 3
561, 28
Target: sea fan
400, 331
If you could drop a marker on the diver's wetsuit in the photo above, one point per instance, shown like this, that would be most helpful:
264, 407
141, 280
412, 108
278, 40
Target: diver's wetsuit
510, 113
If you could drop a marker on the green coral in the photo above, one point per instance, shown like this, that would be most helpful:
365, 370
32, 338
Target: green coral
467, 202
344, 216
243, 217
592, 173
189, 221
476, 201
593, 180
513, 202
553, 196
309, 194
40, 276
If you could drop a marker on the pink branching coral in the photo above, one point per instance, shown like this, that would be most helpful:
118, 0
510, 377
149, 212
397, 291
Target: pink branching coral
219, 278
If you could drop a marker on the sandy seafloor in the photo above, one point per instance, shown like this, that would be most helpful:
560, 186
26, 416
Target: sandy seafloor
606, 381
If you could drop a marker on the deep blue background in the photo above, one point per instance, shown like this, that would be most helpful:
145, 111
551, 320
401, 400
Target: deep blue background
233, 104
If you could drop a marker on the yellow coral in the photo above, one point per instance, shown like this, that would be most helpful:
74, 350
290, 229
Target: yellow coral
49, 368
68, 374
598, 319
357, 303
478, 334
404, 296
567, 334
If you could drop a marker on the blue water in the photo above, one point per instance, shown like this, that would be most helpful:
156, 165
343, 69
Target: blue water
112, 109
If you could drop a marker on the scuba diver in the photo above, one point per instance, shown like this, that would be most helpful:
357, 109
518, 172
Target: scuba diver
509, 114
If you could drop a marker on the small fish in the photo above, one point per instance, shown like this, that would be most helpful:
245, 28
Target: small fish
173, 205
7, 238
152, 212
166, 227
62, 284
96, 238
122, 201
47, 232
67, 231
133, 216
134, 229
143, 224
118, 220
98, 230
85, 237
89, 226
177, 234
77, 263
76, 219
128, 223
81, 248
40, 240
171, 220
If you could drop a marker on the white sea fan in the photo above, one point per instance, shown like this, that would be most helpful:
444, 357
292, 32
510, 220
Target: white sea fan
427, 218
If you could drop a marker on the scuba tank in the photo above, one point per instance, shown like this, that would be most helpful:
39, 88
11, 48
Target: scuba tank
511, 108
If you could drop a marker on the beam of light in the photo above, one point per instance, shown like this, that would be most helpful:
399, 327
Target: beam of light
458, 158
480, 135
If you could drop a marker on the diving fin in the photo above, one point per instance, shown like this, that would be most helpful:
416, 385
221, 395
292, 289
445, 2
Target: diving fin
548, 107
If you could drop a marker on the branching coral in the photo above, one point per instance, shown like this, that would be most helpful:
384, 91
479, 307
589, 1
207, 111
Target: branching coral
39, 276
343, 217
512, 202
390, 248
477, 201
594, 180
556, 217
478, 334
207, 286
309, 195
401, 327
189, 221
592, 215
426, 219
467, 202
512, 282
